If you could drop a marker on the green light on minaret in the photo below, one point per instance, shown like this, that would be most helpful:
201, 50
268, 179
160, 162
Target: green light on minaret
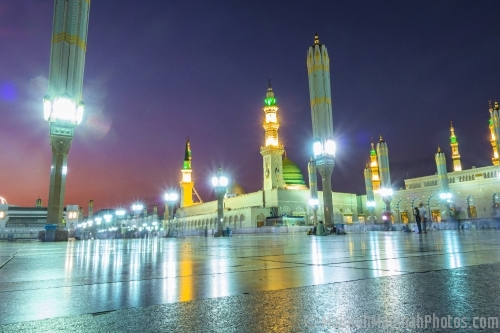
187, 156
270, 101
373, 152
453, 139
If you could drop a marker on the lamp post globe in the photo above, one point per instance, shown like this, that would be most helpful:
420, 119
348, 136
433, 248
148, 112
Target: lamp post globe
219, 183
324, 154
314, 203
171, 197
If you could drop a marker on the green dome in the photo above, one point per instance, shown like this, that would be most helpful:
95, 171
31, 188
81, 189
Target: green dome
291, 173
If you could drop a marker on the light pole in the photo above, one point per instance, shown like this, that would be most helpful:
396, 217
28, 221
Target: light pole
63, 105
220, 184
137, 208
386, 193
324, 153
120, 214
446, 200
371, 209
171, 198
314, 203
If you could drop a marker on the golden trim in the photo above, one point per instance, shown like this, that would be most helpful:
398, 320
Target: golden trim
318, 67
319, 100
70, 39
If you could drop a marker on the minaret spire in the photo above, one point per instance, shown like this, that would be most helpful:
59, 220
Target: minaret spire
455, 155
272, 151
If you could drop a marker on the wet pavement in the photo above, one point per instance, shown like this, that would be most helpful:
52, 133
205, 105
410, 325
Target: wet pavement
254, 283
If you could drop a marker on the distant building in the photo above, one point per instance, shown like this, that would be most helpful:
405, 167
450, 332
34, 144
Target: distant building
472, 193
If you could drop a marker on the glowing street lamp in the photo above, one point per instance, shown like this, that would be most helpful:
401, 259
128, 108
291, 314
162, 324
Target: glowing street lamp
171, 197
314, 203
63, 106
324, 154
219, 183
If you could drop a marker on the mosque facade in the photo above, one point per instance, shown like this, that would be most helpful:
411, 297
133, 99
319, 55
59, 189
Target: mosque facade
283, 199
471, 193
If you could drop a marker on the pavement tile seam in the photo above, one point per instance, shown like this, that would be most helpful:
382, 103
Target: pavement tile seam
11, 257
148, 279
216, 311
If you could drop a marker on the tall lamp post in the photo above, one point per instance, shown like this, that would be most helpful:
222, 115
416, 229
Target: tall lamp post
63, 105
220, 184
137, 208
386, 193
171, 198
324, 153
314, 203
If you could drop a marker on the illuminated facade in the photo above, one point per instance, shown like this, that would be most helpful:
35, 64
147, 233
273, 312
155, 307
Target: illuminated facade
471, 193
284, 195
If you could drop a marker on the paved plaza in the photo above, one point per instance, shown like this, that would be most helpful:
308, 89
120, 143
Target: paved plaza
254, 283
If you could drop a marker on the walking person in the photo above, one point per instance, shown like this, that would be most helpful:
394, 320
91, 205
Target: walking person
416, 212
423, 216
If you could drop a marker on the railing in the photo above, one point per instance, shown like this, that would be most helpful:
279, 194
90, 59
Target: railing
13, 234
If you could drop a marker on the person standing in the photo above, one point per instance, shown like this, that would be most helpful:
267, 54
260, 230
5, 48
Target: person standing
423, 216
416, 213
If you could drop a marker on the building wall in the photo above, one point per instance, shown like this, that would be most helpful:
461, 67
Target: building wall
476, 187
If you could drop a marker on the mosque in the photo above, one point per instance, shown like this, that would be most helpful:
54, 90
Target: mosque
473, 193
285, 195
283, 199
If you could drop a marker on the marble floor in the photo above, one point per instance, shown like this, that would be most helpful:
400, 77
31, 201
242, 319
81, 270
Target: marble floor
247, 283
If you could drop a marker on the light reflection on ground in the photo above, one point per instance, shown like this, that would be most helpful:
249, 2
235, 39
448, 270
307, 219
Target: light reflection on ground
61, 279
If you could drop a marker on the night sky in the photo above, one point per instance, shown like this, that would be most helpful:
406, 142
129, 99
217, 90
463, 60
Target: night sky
159, 71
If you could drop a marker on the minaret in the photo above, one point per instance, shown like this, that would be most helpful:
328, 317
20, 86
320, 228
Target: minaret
370, 197
318, 69
90, 215
38, 203
187, 183
493, 140
442, 171
455, 155
385, 175
63, 105
374, 169
272, 151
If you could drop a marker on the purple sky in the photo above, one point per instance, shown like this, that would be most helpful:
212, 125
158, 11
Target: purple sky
160, 72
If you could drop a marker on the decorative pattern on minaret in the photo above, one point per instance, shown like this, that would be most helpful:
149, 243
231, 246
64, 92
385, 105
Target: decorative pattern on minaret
383, 163
374, 167
272, 151
271, 123
455, 156
493, 139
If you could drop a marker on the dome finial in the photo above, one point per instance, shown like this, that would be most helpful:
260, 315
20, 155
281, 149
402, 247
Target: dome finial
316, 39
381, 138
439, 149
